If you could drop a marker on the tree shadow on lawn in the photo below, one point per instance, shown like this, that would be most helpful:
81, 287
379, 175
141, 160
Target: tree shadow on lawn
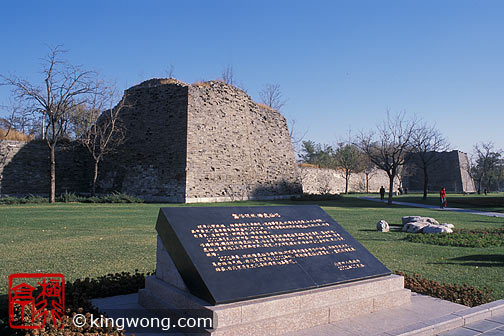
479, 260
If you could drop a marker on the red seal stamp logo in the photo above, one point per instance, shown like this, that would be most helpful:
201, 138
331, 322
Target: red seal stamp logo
34, 296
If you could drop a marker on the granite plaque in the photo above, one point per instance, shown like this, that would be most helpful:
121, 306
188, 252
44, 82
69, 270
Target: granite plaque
228, 254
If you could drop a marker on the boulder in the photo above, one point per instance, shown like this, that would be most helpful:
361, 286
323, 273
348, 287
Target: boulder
437, 229
414, 227
415, 224
382, 226
451, 226
409, 219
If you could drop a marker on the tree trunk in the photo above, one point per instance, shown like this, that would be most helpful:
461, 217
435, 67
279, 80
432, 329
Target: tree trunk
347, 177
391, 189
95, 176
425, 182
367, 183
52, 193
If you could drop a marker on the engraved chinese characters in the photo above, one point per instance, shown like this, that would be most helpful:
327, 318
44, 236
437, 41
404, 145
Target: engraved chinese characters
238, 237
227, 254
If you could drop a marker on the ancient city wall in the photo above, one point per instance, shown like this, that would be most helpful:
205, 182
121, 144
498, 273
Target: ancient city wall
24, 168
151, 163
330, 181
184, 143
467, 182
197, 143
448, 169
236, 149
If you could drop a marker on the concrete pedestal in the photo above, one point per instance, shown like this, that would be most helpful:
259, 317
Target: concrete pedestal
279, 314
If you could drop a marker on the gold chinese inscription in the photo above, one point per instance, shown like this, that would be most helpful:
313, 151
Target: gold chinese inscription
348, 264
256, 215
281, 242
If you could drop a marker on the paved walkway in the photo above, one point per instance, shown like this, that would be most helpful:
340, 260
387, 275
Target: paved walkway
423, 316
433, 207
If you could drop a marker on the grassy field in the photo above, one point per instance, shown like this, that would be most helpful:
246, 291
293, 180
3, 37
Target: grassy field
88, 240
491, 202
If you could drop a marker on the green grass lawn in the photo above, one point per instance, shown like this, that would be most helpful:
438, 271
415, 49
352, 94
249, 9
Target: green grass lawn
88, 240
491, 202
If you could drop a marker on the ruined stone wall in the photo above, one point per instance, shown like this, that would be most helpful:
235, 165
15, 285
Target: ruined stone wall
467, 182
184, 143
204, 142
236, 149
448, 169
24, 168
151, 163
330, 181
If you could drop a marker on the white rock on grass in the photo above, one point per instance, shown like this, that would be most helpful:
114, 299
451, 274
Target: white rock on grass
414, 227
437, 229
417, 224
451, 226
382, 226
409, 219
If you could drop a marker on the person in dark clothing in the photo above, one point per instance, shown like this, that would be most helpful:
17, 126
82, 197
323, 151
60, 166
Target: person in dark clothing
382, 193
442, 197
406, 190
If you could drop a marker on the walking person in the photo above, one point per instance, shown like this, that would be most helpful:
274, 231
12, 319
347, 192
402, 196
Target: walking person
442, 197
382, 193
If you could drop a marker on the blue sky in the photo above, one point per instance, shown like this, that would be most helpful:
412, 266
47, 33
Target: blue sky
340, 64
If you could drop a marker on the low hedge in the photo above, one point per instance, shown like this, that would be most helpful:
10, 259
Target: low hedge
464, 294
73, 198
461, 238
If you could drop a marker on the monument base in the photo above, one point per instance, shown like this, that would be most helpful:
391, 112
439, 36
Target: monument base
279, 314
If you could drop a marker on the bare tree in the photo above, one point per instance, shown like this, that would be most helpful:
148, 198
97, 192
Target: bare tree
170, 72
350, 159
271, 96
296, 137
369, 171
387, 147
19, 118
64, 87
227, 75
487, 159
426, 141
100, 132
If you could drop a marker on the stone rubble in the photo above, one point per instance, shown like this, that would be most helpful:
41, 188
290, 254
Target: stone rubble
419, 224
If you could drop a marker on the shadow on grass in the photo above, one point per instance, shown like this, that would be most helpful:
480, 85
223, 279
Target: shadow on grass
477, 260
488, 222
392, 229
481, 257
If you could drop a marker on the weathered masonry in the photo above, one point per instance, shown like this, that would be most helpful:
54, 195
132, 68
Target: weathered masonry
448, 169
198, 143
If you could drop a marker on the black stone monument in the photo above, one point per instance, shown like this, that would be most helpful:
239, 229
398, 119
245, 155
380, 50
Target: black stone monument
228, 254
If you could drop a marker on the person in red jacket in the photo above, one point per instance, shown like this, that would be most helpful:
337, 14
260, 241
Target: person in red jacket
442, 196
